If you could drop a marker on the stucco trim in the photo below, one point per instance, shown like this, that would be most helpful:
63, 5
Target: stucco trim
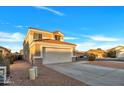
37, 57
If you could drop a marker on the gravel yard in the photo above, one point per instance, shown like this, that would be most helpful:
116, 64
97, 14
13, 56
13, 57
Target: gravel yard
47, 76
112, 64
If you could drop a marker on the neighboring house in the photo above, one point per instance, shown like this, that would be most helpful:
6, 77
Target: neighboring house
78, 53
17, 56
99, 53
21, 52
119, 51
47, 47
4, 51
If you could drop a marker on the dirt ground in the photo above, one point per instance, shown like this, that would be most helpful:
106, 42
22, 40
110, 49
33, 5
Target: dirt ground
107, 64
47, 76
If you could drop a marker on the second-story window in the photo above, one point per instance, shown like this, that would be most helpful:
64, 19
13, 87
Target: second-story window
40, 36
57, 37
37, 36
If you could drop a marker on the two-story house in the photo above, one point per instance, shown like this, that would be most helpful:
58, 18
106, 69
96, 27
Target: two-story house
47, 47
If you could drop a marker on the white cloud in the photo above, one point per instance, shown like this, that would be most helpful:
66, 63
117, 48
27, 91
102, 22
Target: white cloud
85, 45
20, 26
50, 10
94, 45
14, 47
11, 41
106, 46
70, 38
11, 37
102, 38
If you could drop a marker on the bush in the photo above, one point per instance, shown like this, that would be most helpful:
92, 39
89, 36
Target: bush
1, 60
91, 57
111, 54
5, 61
11, 59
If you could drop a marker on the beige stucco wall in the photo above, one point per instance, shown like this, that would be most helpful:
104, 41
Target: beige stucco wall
45, 35
52, 53
31, 53
52, 45
120, 54
34, 49
4, 51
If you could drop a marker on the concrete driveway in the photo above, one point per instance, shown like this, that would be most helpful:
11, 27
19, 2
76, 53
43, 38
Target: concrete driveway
91, 74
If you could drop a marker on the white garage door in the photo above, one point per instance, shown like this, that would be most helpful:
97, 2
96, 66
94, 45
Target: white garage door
120, 55
56, 55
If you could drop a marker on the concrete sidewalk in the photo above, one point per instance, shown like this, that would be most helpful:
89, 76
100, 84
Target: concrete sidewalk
91, 74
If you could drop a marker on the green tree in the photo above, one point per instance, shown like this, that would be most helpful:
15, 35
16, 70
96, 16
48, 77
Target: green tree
111, 54
1, 60
91, 57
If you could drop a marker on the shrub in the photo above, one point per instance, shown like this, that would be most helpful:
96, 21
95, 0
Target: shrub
1, 60
5, 61
91, 57
111, 54
11, 59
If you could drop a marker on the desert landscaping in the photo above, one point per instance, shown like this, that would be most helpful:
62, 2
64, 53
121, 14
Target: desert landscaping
83, 71
55, 46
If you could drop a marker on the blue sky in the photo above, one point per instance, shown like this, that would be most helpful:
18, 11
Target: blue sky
88, 27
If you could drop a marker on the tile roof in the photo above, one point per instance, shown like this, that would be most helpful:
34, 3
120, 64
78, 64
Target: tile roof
5, 48
55, 41
118, 48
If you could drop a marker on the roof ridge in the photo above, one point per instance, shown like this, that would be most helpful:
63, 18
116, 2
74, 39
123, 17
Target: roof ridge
56, 41
39, 29
45, 30
5, 48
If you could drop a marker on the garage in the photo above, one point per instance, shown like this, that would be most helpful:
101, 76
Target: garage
56, 55
120, 55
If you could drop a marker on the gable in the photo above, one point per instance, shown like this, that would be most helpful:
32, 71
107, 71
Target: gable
58, 33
